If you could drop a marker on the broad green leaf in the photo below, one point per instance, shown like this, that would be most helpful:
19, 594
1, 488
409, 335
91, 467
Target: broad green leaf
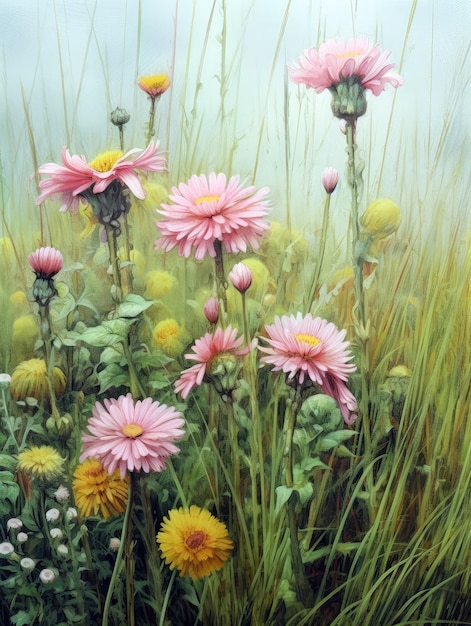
112, 376
333, 439
108, 333
310, 463
133, 305
282, 496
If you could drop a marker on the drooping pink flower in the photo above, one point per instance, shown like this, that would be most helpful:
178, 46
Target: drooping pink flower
335, 61
134, 436
211, 310
241, 277
75, 175
330, 179
46, 262
307, 347
214, 349
208, 209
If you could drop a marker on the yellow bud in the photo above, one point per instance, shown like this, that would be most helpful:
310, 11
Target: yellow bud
29, 380
381, 219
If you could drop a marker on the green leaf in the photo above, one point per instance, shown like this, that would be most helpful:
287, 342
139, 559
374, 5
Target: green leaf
133, 305
112, 376
333, 439
108, 333
282, 496
310, 463
7, 461
21, 618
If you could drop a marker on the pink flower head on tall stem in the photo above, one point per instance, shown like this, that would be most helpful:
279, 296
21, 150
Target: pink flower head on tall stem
336, 61
312, 348
134, 436
46, 262
206, 209
212, 352
75, 175
211, 310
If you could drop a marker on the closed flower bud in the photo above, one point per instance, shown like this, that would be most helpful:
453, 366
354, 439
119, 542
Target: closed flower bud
381, 219
211, 310
30, 380
119, 117
241, 277
330, 179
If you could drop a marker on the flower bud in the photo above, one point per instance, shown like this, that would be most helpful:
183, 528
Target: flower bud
241, 277
119, 117
211, 310
348, 98
330, 179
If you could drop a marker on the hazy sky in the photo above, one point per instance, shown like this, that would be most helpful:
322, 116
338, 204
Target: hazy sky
74, 60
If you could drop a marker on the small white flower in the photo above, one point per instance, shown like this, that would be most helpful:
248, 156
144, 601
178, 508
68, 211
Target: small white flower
21, 537
52, 515
5, 380
47, 576
62, 494
27, 563
71, 513
56, 533
62, 549
6, 548
14, 523
115, 543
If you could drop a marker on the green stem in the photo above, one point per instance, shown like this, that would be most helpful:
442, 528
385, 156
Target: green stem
150, 129
114, 261
167, 598
221, 284
325, 224
47, 340
359, 310
303, 589
119, 557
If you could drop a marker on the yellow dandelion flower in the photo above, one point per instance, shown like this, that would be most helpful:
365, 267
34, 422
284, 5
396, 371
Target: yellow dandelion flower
168, 335
96, 490
30, 380
194, 541
25, 328
158, 283
381, 219
41, 462
154, 85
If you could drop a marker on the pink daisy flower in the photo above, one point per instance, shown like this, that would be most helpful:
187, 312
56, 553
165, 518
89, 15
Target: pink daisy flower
307, 347
134, 436
46, 262
75, 175
211, 353
336, 61
208, 209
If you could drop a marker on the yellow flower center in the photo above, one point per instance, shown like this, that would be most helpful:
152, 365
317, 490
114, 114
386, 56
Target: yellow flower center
206, 199
348, 55
196, 539
309, 339
105, 161
156, 81
132, 431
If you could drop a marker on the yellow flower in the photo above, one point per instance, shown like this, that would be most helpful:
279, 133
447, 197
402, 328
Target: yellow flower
154, 85
158, 283
168, 336
96, 490
381, 219
135, 257
41, 462
19, 300
155, 195
29, 380
104, 161
194, 541
7, 251
91, 223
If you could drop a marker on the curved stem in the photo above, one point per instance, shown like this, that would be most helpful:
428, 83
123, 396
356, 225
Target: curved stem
47, 340
325, 224
221, 284
119, 557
